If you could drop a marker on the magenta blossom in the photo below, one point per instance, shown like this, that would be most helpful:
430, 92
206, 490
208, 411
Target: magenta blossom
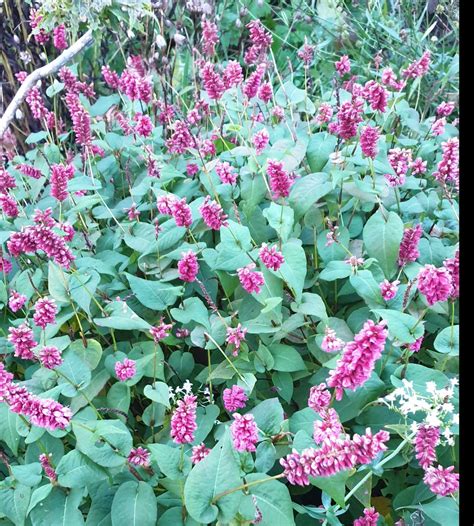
244, 432
183, 420
188, 266
234, 398
139, 456
251, 281
125, 370
271, 257
435, 283
199, 453
235, 336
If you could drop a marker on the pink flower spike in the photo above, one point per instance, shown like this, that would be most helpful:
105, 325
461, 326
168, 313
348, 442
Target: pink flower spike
426, 440
271, 257
234, 398
435, 283
212, 214
389, 290
188, 266
343, 65
226, 172
235, 336
260, 141
45, 461
125, 370
369, 518
139, 456
368, 141
357, 362
251, 281
16, 300
409, 245
319, 397
22, 339
199, 453
183, 420
45, 312
50, 357
161, 331
280, 180
244, 432
60, 175
331, 343
442, 481
60, 37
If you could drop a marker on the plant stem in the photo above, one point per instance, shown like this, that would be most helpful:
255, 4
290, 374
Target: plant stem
245, 486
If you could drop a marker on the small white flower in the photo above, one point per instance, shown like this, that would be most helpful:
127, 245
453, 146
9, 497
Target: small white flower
431, 387
455, 419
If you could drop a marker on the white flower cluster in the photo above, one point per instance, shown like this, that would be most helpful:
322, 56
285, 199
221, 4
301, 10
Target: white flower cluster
437, 406
187, 389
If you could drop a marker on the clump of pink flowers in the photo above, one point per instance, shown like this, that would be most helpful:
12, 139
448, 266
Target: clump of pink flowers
250, 279
331, 343
434, 283
244, 432
50, 357
369, 136
139, 456
442, 481
260, 141
212, 214
23, 341
408, 251
199, 453
161, 331
235, 336
226, 172
319, 397
188, 266
357, 362
280, 180
369, 518
389, 290
16, 300
183, 420
426, 440
271, 257
234, 398
125, 370
45, 312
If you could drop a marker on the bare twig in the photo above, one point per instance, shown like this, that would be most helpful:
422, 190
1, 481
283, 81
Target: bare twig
66, 56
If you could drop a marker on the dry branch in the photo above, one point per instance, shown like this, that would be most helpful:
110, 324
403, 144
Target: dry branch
66, 56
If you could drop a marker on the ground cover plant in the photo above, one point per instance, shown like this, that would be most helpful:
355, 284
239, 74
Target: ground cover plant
230, 262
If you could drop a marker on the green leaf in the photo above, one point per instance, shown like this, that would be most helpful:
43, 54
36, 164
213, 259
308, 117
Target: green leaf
401, 325
312, 305
158, 393
335, 270
367, 288
8, 432
320, 146
28, 474
281, 219
75, 470
170, 461
118, 397
122, 317
14, 503
293, 269
286, 358
307, 190
444, 511
74, 374
265, 456
58, 283
106, 442
59, 509
193, 310
134, 504
218, 472
268, 415
334, 486
447, 341
382, 235
153, 294
90, 355
273, 500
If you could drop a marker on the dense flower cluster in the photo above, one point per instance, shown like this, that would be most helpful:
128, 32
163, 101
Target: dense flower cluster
234, 398
244, 432
183, 420
358, 359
